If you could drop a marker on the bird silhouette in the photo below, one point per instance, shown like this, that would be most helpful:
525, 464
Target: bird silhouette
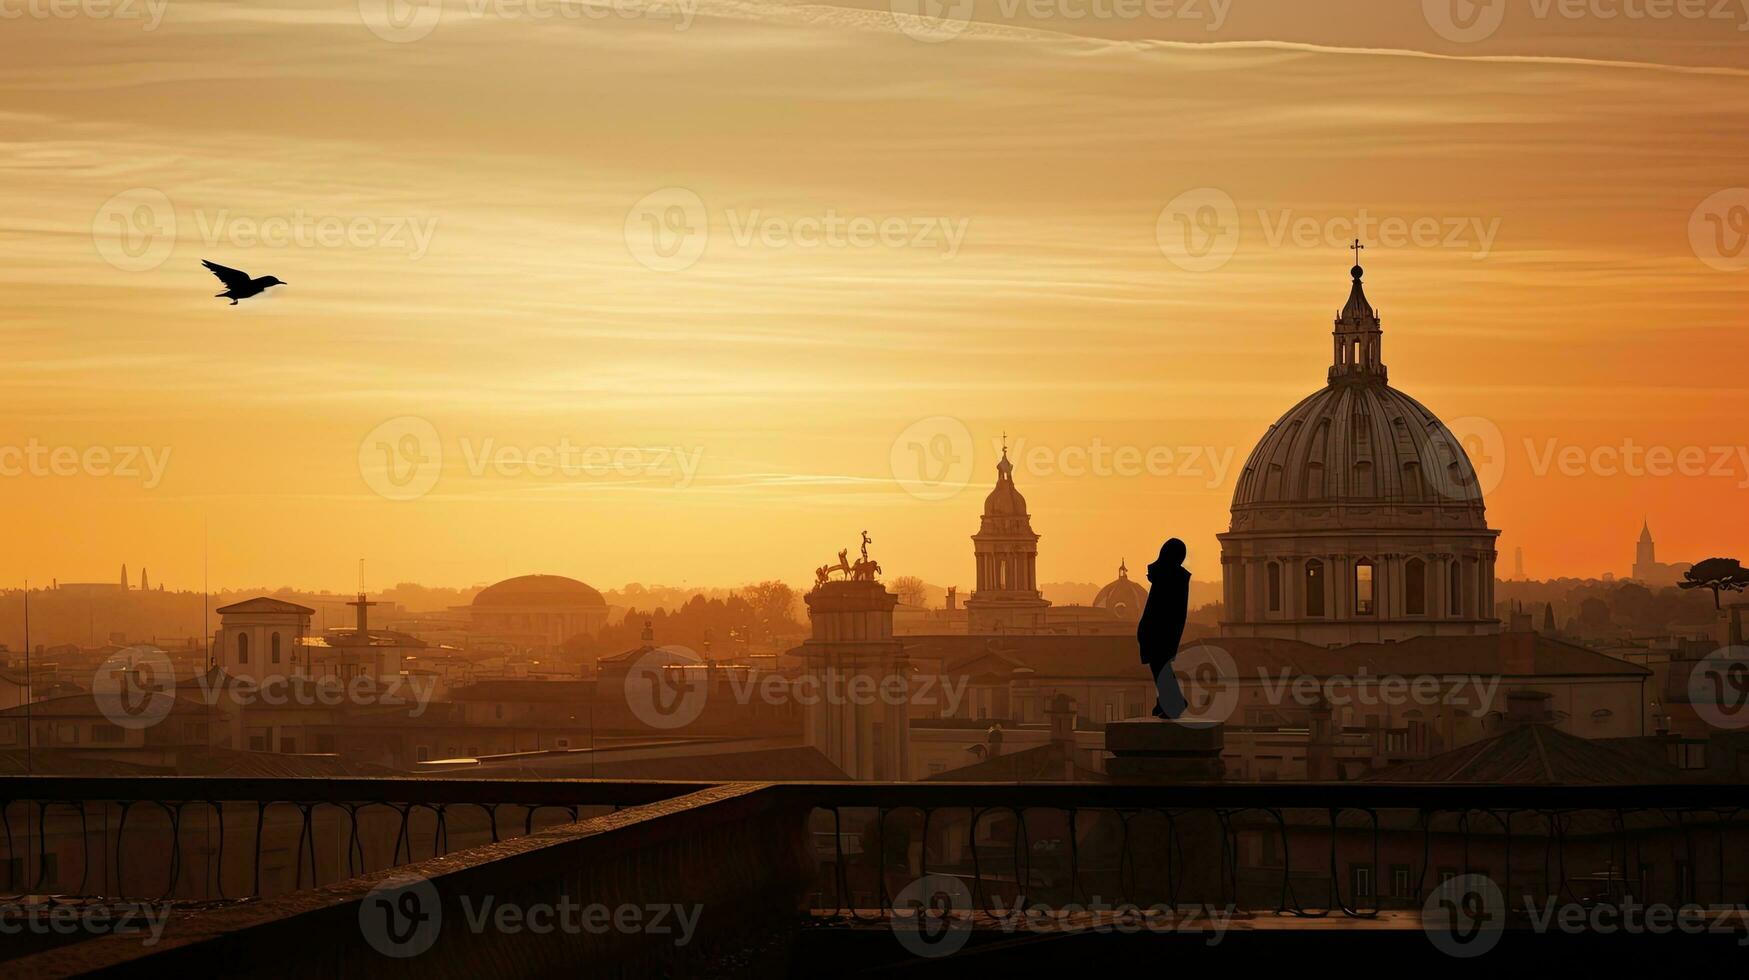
238, 285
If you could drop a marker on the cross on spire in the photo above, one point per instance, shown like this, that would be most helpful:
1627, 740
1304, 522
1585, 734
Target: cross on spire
1356, 248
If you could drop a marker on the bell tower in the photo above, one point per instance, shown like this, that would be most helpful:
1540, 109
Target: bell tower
1007, 599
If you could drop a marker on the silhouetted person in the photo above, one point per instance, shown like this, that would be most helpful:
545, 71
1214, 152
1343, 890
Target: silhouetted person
238, 285
1162, 625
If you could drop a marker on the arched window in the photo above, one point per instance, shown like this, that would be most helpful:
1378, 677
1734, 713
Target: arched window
1274, 586
1456, 599
1365, 597
242, 648
1239, 586
1415, 587
1314, 588
273, 648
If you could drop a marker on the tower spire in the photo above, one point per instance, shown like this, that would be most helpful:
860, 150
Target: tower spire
1358, 342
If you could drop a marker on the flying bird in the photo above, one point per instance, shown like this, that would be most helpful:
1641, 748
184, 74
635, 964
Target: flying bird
238, 285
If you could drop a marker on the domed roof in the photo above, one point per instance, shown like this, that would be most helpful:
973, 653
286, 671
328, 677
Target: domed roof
1358, 443
1123, 595
1004, 500
1358, 440
541, 590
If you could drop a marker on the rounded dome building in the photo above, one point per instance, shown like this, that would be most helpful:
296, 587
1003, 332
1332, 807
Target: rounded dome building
537, 612
1358, 517
1123, 597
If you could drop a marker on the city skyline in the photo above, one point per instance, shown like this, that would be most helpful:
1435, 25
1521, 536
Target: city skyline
513, 297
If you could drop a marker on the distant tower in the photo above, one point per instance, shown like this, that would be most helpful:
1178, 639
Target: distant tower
1007, 598
145, 583
124, 576
1645, 554
852, 650
1549, 619
1518, 563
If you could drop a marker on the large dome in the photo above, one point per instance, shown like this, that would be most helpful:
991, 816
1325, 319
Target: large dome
1357, 442
1358, 517
550, 591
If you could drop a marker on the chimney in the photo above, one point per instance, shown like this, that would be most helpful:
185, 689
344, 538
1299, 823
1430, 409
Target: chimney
953, 598
1062, 718
993, 735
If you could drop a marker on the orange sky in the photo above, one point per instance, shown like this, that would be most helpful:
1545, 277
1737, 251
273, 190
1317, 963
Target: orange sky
912, 234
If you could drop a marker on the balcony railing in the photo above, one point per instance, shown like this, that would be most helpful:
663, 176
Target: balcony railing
779, 874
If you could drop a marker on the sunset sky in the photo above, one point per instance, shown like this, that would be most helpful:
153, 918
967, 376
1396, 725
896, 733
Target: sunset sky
831, 254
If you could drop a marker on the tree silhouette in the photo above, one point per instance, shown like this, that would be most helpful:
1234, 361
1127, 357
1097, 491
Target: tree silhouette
910, 589
1719, 575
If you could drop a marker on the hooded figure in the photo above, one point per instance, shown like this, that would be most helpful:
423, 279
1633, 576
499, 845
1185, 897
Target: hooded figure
1162, 625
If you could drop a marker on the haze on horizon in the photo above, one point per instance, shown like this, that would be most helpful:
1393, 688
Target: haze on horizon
492, 175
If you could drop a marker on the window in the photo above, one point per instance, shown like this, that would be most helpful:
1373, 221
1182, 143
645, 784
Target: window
8, 732
1314, 588
325, 744
1365, 602
1275, 586
104, 734
1415, 587
195, 732
1363, 481
423, 753
1360, 881
1314, 481
1412, 481
242, 648
1239, 587
67, 733
259, 739
1456, 599
288, 744
1400, 881
274, 645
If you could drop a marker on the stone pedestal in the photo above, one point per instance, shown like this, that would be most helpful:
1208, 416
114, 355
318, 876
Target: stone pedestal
1155, 751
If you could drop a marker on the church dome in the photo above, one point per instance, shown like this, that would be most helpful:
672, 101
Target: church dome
1004, 500
548, 591
1357, 443
1124, 596
1357, 440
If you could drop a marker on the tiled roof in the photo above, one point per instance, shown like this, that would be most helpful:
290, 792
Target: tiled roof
1535, 754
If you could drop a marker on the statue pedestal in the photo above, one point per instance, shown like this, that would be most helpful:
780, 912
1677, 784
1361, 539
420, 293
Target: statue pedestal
1150, 750
1154, 751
